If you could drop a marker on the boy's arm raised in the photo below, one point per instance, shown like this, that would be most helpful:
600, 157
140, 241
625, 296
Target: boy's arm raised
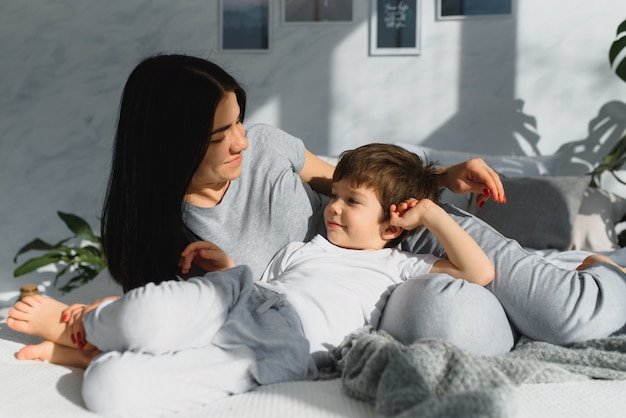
466, 260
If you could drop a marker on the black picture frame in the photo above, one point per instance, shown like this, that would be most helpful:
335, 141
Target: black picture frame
395, 27
470, 9
245, 26
317, 11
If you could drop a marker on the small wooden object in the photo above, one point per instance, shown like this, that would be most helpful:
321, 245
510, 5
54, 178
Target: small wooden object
28, 290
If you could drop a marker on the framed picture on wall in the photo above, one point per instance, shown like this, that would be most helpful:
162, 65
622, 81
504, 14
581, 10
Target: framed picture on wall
317, 11
464, 9
245, 25
395, 27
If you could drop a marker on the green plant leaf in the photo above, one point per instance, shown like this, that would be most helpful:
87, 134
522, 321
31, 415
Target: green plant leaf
38, 244
613, 161
87, 261
89, 256
617, 178
86, 274
615, 51
78, 226
34, 263
59, 274
93, 250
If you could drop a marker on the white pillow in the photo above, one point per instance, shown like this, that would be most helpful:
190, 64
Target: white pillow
594, 227
508, 166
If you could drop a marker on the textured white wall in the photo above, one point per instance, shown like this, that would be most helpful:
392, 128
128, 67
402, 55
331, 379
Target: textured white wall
525, 84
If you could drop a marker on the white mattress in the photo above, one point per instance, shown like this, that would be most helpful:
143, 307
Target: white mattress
35, 389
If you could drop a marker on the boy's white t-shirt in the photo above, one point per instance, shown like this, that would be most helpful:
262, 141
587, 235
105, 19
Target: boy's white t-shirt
336, 290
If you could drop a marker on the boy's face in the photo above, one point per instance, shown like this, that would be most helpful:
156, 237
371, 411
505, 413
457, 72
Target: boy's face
353, 217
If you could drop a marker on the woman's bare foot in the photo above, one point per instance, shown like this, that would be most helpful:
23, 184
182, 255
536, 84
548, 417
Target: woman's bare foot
40, 316
597, 258
57, 354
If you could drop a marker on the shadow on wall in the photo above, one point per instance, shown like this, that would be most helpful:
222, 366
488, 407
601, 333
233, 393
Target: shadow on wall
483, 94
301, 97
579, 156
605, 130
515, 133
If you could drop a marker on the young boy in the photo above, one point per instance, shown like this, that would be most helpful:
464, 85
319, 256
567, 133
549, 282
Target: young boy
381, 194
341, 283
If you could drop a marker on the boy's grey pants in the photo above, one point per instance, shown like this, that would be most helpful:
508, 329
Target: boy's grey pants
529, 295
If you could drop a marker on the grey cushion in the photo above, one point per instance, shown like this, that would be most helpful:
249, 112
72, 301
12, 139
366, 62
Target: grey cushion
540, 211
505, 165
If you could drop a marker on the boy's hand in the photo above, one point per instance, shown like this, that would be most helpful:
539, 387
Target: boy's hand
205, 255
410, 213
401, 208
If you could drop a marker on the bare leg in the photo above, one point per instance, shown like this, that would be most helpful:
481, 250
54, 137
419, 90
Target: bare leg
597, 258
57, 354
40, 316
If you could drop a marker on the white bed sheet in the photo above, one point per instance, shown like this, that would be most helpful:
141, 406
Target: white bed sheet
34, 389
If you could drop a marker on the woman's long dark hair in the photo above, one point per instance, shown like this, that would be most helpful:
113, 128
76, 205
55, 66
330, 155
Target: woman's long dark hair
165, 119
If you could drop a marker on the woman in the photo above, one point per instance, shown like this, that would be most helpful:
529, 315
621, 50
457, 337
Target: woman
250, 192
173, 148
184, 169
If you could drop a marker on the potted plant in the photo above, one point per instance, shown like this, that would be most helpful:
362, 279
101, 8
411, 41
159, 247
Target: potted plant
80, 255
617, 156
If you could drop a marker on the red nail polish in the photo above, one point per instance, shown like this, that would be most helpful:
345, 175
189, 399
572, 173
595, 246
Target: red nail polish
481, 204
487, 192
64, 318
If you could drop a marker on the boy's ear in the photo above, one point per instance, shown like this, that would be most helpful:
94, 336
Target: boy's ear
391, 232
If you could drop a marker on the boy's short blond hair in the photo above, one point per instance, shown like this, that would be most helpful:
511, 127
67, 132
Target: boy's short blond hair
393, 173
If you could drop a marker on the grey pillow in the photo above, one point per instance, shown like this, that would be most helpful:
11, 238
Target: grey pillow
540, 211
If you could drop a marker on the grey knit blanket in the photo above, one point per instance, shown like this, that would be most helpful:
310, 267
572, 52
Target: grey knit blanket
435, 379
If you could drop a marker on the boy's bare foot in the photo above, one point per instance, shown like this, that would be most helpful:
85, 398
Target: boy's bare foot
40, 316
597, 258
57, 354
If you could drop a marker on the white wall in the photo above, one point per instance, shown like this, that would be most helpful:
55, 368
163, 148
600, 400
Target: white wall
525, 84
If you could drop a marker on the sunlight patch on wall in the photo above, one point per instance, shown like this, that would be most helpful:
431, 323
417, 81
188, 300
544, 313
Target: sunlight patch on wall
394, 98
268, 112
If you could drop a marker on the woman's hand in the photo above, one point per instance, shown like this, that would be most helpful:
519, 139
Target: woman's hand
205, 255
473, 176
73, 317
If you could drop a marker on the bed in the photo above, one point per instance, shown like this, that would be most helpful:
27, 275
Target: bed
537, 380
